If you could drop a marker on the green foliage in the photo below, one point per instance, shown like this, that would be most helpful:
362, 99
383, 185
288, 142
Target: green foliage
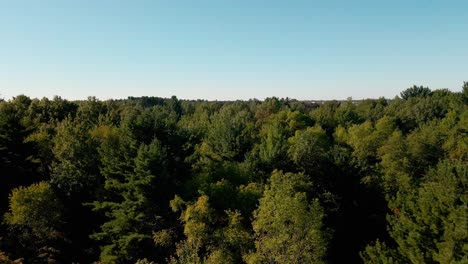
154, 180
35, 222
132, 219
379, 253
415, 91
396, 163
230, 134
210, 238
273, 146
372, 110
144, 261
163, 238
54, 110
266, 109
274, 136
17, 155
465, 92
90, 110
456, 141
325, 115
75, 169
308, 148
288, 225
186, 253
37, 209
429, 224
347, 113
367, 138
198, 122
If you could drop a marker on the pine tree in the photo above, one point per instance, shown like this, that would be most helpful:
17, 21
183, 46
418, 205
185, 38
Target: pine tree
132, 212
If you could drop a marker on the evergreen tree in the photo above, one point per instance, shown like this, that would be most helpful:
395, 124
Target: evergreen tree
429, 223
133, 211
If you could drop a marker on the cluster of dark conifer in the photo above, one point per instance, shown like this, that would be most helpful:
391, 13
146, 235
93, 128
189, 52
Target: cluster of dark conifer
152, 180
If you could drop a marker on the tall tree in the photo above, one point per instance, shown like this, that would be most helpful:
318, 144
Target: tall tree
429, 223
17, 164
210, 237
132, 213
288, 223
76, 177
230, 134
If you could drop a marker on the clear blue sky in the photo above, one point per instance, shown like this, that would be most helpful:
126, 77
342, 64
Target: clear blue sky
231, 49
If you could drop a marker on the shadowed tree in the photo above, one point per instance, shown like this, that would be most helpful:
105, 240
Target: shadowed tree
134, 183
429, 223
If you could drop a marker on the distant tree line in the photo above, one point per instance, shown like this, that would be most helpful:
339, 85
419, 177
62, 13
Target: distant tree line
153, 180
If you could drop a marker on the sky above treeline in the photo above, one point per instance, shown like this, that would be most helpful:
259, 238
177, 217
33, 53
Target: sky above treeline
228, 50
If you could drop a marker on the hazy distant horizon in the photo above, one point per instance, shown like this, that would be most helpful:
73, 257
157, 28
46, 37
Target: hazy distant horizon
212, 99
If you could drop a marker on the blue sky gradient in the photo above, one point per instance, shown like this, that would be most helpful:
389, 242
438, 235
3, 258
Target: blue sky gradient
229, 50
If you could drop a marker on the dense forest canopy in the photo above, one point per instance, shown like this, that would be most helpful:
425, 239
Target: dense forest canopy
154, 180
